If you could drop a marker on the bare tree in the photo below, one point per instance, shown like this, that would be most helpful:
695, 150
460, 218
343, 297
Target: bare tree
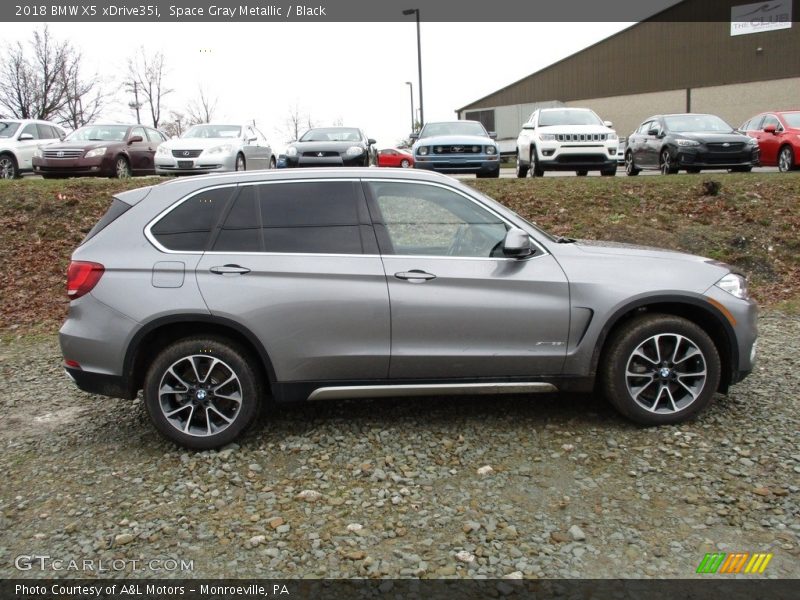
35, 77
202, 109
146, 77
176, 125
297, 122
84, 100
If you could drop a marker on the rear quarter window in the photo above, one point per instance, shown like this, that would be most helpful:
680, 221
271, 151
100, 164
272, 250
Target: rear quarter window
188, 226
116, 210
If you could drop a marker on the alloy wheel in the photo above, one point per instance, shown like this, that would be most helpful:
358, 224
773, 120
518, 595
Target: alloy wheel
122, 169
666, 373
785, 160
6, 168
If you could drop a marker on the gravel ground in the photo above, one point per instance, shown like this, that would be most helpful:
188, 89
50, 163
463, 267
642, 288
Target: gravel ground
465, 487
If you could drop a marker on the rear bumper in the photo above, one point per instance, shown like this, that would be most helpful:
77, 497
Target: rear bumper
99, 383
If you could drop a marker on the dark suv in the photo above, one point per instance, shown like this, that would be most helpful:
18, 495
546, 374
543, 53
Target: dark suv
210, 293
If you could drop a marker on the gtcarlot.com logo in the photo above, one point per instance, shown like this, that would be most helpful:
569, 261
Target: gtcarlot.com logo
37, 562
733, 563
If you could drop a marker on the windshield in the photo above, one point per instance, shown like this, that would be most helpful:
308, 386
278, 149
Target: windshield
454, 128
792, 120
693, 123
98, 133
331, 134
548, 118
213, 131
8, 128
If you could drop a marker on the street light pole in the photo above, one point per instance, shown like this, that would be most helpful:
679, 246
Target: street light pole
415, 11
411, 96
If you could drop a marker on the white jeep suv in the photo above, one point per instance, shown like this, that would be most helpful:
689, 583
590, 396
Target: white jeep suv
566, 139
19, 139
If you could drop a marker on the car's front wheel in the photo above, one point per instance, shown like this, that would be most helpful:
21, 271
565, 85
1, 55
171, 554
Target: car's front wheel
521, 171
665, 163
240, 165
630, 167
8, 167
660, 369
405, 163
202, 392
272, 163
122, 170
786, 159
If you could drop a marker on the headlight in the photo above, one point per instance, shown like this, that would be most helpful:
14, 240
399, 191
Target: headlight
355, 151
224, 149
422, 150
96, 152
291, 151
491, 150
682, 142
734, 284
547, 137
612, 137
754, 141
163, 151
38, 153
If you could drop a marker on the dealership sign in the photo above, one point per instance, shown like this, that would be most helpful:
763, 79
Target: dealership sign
763, 16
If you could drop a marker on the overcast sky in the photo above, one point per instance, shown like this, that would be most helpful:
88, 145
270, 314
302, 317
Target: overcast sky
355, 72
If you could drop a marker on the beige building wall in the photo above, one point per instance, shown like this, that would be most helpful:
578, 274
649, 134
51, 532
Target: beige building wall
627, 112
738, 102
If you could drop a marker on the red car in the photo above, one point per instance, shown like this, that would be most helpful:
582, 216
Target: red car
395, 157
778, 135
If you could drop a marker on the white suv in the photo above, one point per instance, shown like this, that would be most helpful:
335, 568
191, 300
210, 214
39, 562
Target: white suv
566, 139
19, 139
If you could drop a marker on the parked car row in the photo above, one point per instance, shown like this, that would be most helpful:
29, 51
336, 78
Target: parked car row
577, 139
20, 139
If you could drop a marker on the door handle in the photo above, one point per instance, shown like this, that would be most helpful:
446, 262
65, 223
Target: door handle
230, 270
415, 276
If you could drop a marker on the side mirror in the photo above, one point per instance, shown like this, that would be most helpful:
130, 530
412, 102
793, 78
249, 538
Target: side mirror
25, 137
371, 142
493, 135
608, 124
652, 132
528, 126
134, 139
768, 129
517, 244
413, 135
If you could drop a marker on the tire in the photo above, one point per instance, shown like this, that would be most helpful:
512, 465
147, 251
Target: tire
786, 159
656, 397
241, 164
536, 169
122, 168
609, 172
582, 173
665, 163
630, 167
272, 163
521, 171
9, 169
405, 163
189, 364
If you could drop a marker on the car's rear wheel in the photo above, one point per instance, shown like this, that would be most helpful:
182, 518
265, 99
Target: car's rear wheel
660, 369
202, 392
521, 171
630, 167
786, 159
8, 167
122, 169
665, 163
241, 165
405, 163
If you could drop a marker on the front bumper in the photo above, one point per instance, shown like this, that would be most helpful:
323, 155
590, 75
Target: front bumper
170, 165
702, 158
293, 162
566, 157
76, 167
476, 163
742, 325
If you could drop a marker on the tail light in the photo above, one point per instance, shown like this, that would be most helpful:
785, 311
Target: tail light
82, 276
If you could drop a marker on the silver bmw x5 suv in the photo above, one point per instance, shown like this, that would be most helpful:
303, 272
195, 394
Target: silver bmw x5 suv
212, 294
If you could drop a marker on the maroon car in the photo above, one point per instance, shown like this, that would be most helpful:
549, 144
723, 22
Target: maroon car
105, 150
778, 135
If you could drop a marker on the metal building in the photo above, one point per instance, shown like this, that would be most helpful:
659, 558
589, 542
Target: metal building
685, 59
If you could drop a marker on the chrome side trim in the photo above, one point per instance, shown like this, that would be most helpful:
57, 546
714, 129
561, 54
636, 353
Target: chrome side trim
439, 389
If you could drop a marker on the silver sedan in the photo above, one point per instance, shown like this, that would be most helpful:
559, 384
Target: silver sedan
212, 148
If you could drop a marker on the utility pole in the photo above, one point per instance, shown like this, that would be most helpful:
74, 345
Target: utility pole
135, 105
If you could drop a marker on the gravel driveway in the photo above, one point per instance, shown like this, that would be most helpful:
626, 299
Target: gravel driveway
466, 487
